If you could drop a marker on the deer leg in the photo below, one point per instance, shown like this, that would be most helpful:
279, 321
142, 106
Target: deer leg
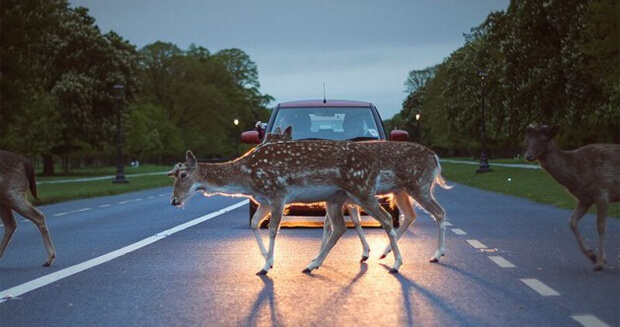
406, 207
33, 214
372, 207
261, 212
274, 226
581, 210
354, 213
10, 225
334, 210
601, 211
439, 214
327, 227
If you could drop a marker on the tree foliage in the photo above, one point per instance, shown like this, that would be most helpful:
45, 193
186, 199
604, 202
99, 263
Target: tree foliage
547, 61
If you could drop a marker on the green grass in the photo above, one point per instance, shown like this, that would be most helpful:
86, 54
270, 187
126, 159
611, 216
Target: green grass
533, 184
101, 171
53, 193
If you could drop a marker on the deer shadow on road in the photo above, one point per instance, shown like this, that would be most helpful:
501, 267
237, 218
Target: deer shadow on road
265, 297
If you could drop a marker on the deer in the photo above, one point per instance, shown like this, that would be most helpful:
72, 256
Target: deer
281, 172
590, 174
401, 199
16, 177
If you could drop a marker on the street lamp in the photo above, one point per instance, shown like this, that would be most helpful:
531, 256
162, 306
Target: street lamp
236, 122
119, 92
484, 163
417, 119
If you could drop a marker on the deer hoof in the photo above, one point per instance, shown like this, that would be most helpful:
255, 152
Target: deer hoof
306, 271
433, 260
261, 272
382, 256
364, 258
393, 271
47, 264
598, 267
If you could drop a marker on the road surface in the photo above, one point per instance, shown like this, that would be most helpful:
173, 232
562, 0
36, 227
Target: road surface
122, 260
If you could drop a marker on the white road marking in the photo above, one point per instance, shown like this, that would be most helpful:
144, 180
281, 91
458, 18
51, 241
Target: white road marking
476, 244
448, 224
539, 287
458, 231
151, 197
136, 200
82, 210
56, 276
123, 202
163, 194
589, 321
60, 214
104, 205
500, 261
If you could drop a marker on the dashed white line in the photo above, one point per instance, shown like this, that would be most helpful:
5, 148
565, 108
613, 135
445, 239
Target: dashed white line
476, 244
589, 321
151, 197
500, 261
19, 290
60, 214
104, 205
539, 287
458, 231
448, 224
163, 194
82, 210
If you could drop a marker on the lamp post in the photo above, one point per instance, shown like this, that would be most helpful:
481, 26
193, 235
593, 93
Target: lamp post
417, 119
236, 122
484, 163
119, 91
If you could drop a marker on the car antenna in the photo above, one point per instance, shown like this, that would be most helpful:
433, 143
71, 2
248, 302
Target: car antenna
324, 96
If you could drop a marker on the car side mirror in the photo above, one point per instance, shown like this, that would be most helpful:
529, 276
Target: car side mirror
399, 135
250, 137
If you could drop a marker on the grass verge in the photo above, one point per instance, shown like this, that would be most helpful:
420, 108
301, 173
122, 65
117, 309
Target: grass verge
53, 193
533, 184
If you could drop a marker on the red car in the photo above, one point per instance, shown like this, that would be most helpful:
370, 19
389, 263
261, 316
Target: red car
337, 120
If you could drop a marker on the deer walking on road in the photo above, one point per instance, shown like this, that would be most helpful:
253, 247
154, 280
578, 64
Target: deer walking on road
591, 174
282, 172
16, 177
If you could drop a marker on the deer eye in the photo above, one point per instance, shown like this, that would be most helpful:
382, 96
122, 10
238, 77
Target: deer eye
183, 175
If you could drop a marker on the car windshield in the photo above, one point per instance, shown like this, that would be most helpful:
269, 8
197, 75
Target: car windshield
334, 123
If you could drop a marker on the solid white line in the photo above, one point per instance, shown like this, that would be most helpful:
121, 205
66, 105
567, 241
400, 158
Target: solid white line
476, 244
60, 214
458, 231
104, 205
500, 261
56, 276
589, 321
539, 287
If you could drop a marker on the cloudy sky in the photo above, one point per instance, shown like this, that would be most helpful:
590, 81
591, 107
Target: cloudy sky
361, 50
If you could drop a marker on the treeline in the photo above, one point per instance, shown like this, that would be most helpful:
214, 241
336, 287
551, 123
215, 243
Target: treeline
59, 104
554, 62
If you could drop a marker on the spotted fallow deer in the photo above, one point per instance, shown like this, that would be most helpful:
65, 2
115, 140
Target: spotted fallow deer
402, 200
282, 172
16, 177
589, 173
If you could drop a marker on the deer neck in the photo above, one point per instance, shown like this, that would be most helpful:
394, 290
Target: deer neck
557, 163
227, 178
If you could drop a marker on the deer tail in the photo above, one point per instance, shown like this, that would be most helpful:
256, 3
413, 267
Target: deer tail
31, 181
439, 178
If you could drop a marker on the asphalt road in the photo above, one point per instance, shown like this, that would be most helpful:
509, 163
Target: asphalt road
204, 275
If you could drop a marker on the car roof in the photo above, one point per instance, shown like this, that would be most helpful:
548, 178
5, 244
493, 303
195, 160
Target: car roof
324, 103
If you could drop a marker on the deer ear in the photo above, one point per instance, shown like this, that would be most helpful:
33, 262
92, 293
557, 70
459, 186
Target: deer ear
190, 159
288, 131
277, 131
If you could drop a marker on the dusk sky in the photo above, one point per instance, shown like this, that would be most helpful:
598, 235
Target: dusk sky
362, 50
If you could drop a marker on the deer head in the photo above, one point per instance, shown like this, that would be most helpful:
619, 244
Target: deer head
279, 135
538, 138
186, 179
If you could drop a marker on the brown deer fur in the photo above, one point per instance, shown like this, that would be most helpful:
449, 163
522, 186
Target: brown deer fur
591, 174
16, 176
281, 172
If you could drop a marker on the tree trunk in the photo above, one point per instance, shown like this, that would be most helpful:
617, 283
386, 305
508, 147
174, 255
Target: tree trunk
48, 165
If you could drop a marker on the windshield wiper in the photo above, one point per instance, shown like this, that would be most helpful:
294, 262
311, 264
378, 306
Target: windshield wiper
311, 139
362, 138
